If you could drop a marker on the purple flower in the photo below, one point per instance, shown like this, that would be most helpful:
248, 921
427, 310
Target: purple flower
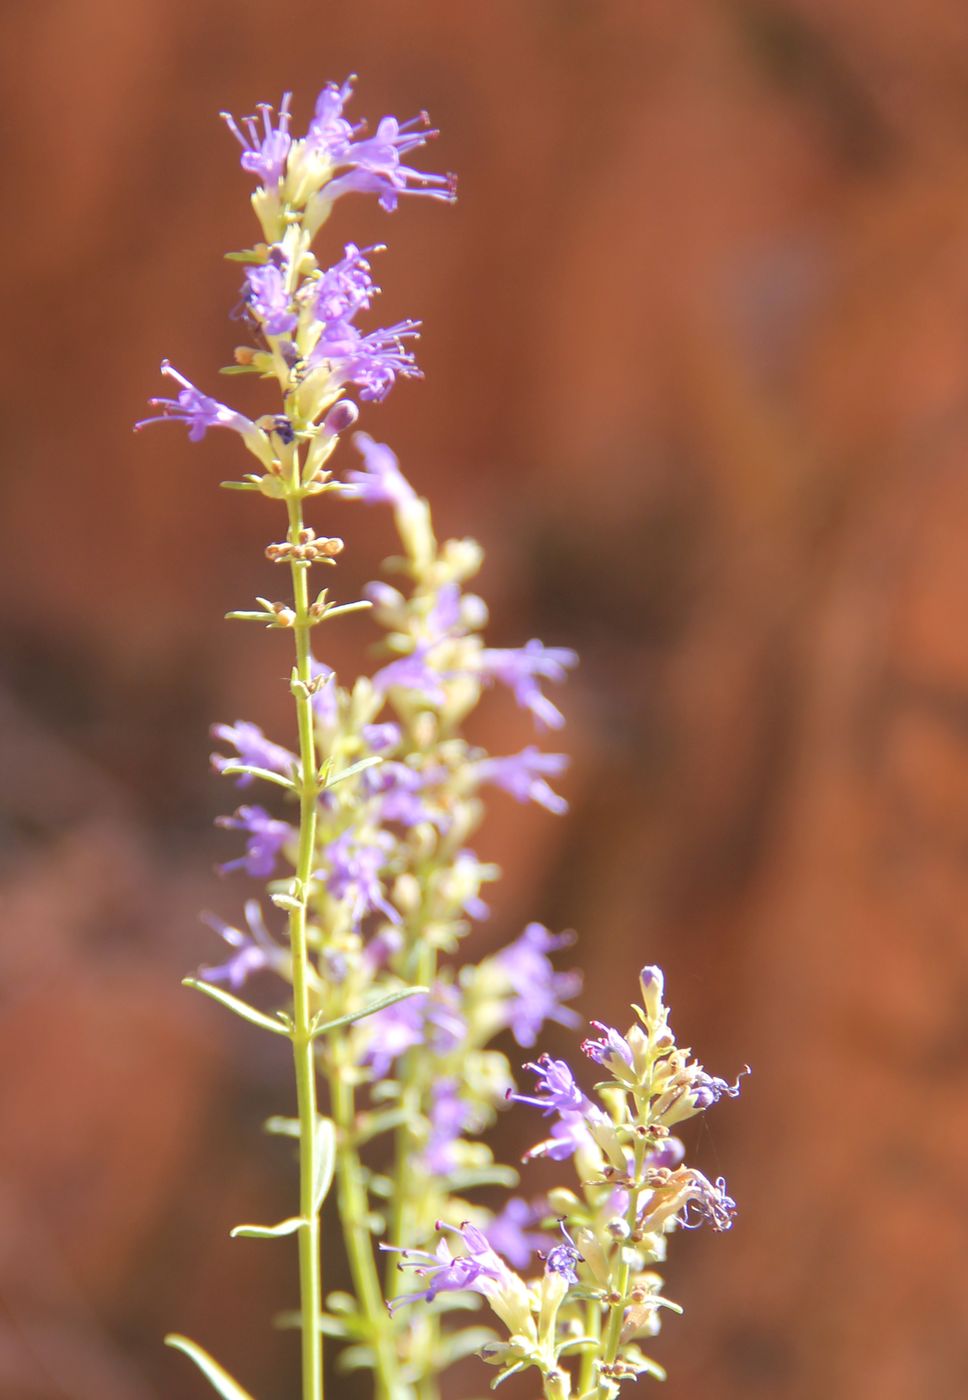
707, 1089
511, 1233
434, 1021
564, 1258
254, 749
381, 479
520, 669
381, 948
266, 838
557, 1092
479, 1270
397, 787
373, 165
255, 950
444, 618
267, 297
710, 1203
382, 736
347, 287
610, 1045
353, 874
449, 1117
669, 1153
412, 673
556, 1083
264, 153
538, 988
372, 362
522, 775
197, 410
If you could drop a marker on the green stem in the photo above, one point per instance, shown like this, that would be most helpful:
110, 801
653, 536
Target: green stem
619, 1283
593, 1328
310, 1271
353, 1209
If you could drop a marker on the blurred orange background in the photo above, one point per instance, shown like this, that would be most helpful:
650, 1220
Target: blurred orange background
696, 347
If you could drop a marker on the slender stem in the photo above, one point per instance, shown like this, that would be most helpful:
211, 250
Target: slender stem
310, 1271
620, 1280
353, 1208
593, 1328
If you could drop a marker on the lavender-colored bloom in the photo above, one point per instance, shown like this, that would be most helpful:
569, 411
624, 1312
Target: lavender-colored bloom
382, 736
353, 874
710, 1203
372, 362
707, 1089
381, 948
254, 951
511, 1233
381, 479
567, 1137
266, 838
538, 988
347, 287
519, 668
449, 1117
523, 776
196, 410
253, 748
264, 153
609, 1044
267, 297
412, 673
373, 165
397, 787
444, 618
479, 1270
669, 1153
433, 1020
564, 1258
340, 418
555, 1091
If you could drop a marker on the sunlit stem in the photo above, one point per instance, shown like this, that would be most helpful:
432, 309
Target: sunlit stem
353, 1210
310, 1270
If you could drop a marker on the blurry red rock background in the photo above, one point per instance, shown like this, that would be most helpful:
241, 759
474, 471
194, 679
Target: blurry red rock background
697, 376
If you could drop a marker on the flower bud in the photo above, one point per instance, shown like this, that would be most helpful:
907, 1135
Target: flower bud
340, 417
652, 984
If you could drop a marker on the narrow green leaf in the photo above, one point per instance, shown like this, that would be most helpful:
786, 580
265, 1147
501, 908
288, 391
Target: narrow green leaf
354, 768
238, 486
348, 608
380, 1005
239, 369
241, 1008
219, 1379
267, 775
325, 1160
269, 1232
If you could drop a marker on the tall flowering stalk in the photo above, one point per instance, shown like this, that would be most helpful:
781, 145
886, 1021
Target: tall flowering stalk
367, 856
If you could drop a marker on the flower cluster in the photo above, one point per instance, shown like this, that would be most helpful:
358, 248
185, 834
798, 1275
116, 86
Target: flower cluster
363, 839
633, 1191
